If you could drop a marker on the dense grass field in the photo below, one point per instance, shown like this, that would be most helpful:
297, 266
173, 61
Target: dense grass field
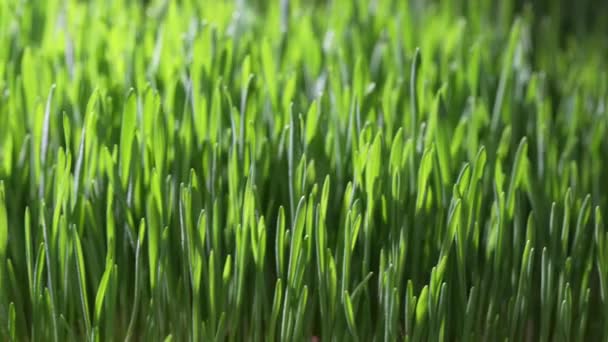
293, 170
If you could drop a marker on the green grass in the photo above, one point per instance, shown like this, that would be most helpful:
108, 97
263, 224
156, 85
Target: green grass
280, 170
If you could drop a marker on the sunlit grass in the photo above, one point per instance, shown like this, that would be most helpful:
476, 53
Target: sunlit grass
261, 171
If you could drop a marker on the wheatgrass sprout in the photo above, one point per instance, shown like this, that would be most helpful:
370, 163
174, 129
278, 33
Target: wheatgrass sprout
303, 170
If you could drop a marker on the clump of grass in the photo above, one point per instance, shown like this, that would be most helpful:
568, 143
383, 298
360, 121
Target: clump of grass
348, 170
